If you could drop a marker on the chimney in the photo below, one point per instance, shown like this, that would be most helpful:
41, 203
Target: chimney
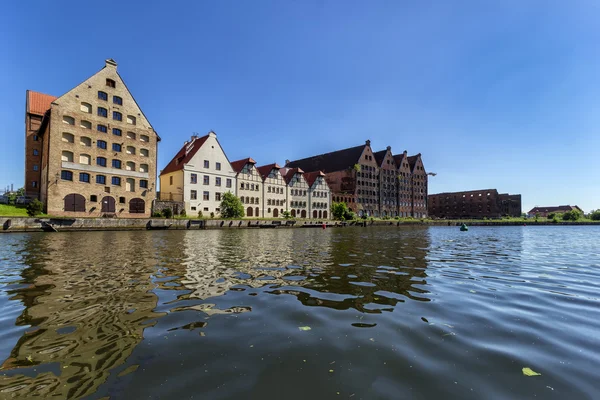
110, 63
287, 162
368, 142
389, 148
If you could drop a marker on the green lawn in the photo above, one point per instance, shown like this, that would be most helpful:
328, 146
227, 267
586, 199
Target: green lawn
13, 211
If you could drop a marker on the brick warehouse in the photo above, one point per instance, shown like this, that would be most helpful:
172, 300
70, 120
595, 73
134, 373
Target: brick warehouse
378, 184
94, 150
474, 204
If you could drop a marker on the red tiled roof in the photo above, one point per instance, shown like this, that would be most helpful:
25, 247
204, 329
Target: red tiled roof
184, 155
311, 177
240, 164
289, 174
38, 103
266, 169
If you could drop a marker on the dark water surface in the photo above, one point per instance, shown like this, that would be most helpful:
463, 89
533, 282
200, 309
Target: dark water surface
395, 313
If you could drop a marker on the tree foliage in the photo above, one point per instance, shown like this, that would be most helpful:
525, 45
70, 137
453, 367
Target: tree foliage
341, 212
35, 208
572, 215
231, 206
167, 213
595, 215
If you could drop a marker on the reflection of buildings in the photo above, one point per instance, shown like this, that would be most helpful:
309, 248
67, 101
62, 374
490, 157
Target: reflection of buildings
86, 310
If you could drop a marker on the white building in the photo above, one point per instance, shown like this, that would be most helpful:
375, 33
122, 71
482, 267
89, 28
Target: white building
319, 195
198, 175
274, 191
297, 192
249, 187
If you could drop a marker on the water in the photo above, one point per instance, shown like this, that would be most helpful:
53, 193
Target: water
394, 313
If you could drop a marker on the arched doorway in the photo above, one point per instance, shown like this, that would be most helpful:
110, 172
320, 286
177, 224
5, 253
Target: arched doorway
108, 204
256, 213
249, 212
314, 213
325, 214
275, 213
294, 213
303, 214
74, 203
137, 206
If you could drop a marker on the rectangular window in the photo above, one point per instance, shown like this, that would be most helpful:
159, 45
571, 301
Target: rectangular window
228, 183
35, 167
206, 164
144, 184
117, 116
115, 180
35, 138
102, 95
218, 196
205, 196
193, 195
102, 128
117, 132
101, 144
110, 83
170, 180
101, 161
218, 166
218, 181
206, 179
35, 152
102, 112
194, 178
34, 184
66, 175
84, 177
101, 179
117, 100
116, 164
116, 147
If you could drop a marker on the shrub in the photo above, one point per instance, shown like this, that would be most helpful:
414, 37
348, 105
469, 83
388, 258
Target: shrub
212, 214
287, 215
349, 215
231, 206
34, 208
595, 215
167, 212
156, 214
572, 215
338, 211
200, 215
183, 213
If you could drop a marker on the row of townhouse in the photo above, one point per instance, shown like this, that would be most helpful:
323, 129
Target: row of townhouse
200, 173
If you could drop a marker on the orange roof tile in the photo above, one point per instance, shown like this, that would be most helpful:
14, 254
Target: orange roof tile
240, 164
38, 103
184, 155
311, 177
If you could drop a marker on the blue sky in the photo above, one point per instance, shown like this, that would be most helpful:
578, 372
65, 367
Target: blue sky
502, 95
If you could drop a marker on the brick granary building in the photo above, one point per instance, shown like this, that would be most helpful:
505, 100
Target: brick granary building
474, 204
90, 152
378, 184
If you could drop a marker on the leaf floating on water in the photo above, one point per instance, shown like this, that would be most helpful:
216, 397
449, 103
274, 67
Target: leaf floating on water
529, 372
304, 328
202, 334
330, 370
424, 319
371, 339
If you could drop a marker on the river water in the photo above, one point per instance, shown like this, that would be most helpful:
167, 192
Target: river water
394, 313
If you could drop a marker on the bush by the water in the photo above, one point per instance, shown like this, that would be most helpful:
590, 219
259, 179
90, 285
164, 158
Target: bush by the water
572, 215
231, 206
595, 215
156, 214
35, 208
167, 213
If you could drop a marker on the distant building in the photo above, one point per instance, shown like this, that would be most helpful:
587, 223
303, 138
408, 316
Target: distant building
274, 191
474, 204
544, 211
319, 194
249, 186
297, 192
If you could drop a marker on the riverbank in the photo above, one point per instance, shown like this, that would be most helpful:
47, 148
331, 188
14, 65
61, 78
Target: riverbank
48, 224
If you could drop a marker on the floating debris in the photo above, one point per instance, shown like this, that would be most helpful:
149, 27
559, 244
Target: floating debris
529, 372
304, 328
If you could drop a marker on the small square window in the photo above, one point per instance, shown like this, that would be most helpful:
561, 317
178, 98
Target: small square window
66, 175
206, 164
117, 132
193, 208
117, 100
144, 184
102, 95
102, 112
116, 147
101, 179
117, 116
36, 167
34, 184
205, 208
102, 128
93, 198
35, 152
122, 200
115, 180
116, 164
101, 144
110, 83
36, 138
218, 166
101, 161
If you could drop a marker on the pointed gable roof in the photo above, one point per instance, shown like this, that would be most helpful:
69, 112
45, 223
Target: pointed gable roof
38, 103
311, 177
330, 162
240, 164
412, 161
289, 173
398, 159
184, 155
265, 170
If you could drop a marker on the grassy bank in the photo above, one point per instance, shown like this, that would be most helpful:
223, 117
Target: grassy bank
7, 210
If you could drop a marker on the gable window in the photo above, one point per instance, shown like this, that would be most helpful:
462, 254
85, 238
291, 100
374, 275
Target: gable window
84, 177
193, 178
115, 180
117, 132
68, 120
116, 147
206, 164
131, 120
102, 112
102, 128
130, 166
130, 185
116, 164
85, 141
86, 124
206, 196
117, 100
193, 195
144, 152
206, 179
101, 144
143, 167
110, 83
143, 184
131, 135
86, 108
117, 116
131, 150
66, 175
102, 95
85, 159
101, 161
144, 138
218, 166
228, 183
67, 156
68, 137
217, 181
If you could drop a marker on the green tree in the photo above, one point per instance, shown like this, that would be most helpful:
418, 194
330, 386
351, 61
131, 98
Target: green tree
572, 215
287, 215
21, 192
231, 206
34, 208
595, 215
338, 211
167, 212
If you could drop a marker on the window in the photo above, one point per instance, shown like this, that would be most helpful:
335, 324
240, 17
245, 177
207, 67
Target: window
101, 161
117, 116
85, 124
122, 200
115, 180
143, 167
144, 152
228, 183
206, 179
117, 132
101, 144
67, 156
144, 138
131, 120
86, 108
102, 128
205, 196
116, 164
85, 159
117, 100
110, 83
68, 120
193, 195
131, 135
34, 184
116, 147
35, 138
218, 166
218, 196
93, 198
206, 164
143, 184
194, 178
170, 180
217, 181
130, 166
102, 95
131, 150
85, 141
66, 175
67, 137
84, 177
102, 112
130, 185
35, 168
